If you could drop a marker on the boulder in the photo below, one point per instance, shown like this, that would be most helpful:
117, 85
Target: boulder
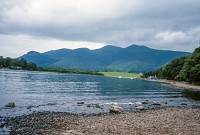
140, 108
183, 104
164, 102
10, 105
138, 103
80, 103
98, 105
130, 103
156, 103
29, 107
2, 124
95, 105
89, 105
145, 102
116, 109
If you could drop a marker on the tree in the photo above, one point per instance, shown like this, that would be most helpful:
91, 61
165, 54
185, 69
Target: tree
1, 61
191, 69
182, 69
23, 63
15, 63
7, 62
149, 73
195, 74
171, 70
31, 66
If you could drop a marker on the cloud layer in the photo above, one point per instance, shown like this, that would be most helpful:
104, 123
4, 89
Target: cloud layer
165, 24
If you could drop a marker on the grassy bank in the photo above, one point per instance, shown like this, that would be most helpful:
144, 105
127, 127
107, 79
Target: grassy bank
121, 74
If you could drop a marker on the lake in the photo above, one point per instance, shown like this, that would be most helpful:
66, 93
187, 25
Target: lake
44, 91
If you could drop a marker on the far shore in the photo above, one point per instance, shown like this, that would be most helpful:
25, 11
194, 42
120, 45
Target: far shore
170, 82
177, 84
135, 76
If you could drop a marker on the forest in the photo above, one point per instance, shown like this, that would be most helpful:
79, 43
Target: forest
22, 64
181, 69
11, 63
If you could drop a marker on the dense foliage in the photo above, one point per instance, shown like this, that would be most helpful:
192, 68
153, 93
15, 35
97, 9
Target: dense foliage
182, 69
171, 70
191, 68
22, 64
16, 64
70, 71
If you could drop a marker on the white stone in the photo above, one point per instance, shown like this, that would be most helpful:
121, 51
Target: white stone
140, 108
116, 109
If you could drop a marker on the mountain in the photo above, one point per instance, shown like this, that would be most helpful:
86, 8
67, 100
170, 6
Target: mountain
133, 58
38, 58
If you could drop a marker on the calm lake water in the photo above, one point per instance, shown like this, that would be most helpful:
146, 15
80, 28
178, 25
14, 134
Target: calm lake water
43, 91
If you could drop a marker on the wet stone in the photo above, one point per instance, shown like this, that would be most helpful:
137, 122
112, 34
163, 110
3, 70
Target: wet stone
183, 104
140, 108
157, 104
95, 105
145, 102
81, 103
10, 105
164, 102
116, 109
2, 124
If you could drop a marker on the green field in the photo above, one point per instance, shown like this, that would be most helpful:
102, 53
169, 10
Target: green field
121, 74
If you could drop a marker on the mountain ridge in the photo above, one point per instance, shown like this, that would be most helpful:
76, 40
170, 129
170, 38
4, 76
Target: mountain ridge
136, 58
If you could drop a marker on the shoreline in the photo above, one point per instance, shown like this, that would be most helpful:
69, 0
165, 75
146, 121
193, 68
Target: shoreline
170, 82
176, 120
177, 84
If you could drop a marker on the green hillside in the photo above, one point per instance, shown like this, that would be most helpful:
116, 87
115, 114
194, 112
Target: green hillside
134, 58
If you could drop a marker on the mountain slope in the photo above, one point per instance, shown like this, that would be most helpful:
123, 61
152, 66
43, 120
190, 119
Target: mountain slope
133, 58
57, 54
38, 58
81, 58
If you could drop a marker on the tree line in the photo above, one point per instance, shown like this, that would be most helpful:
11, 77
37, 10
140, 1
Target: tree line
17, 64
22, 64
186, 68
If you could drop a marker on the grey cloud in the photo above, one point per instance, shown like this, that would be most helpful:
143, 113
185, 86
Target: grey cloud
121, 22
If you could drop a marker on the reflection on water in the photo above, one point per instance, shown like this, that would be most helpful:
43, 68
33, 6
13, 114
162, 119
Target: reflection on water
43, 91
195, 95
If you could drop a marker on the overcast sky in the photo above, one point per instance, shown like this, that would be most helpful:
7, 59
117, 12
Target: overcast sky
43, 25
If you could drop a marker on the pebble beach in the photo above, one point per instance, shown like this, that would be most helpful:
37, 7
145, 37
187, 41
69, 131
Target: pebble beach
164, 121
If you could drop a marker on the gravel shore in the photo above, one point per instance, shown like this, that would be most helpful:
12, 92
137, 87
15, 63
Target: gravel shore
165, 121
178, 84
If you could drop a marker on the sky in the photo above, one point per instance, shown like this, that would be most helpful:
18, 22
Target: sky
43, 25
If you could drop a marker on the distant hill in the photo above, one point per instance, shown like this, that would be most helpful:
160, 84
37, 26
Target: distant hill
133, 58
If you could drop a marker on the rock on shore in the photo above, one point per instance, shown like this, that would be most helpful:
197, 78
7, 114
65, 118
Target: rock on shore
10, 105
140, 108
116, 109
